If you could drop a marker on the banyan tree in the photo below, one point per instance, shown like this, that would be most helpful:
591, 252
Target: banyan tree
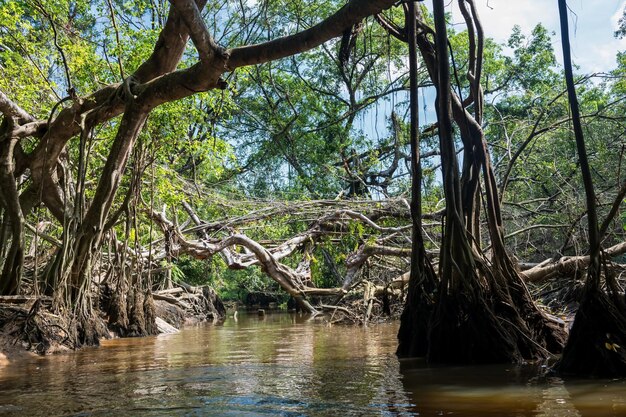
469, 305
482, 310
46, 174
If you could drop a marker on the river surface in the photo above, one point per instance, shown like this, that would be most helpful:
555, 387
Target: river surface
284, 365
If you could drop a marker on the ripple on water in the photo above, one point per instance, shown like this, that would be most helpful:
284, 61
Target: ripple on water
284, 366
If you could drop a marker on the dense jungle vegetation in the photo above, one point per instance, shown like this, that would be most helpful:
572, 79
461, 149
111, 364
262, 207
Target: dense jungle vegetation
364, 158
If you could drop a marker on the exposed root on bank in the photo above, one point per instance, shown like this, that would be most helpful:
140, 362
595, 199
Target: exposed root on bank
371, 286
199, 303
32, 327
28, 322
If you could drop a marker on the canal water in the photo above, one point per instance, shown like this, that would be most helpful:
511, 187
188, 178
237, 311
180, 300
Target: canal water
284, 365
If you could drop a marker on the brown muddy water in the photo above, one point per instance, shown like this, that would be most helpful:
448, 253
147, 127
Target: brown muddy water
284, 365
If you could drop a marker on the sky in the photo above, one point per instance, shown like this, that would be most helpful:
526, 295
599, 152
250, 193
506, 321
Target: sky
592, 25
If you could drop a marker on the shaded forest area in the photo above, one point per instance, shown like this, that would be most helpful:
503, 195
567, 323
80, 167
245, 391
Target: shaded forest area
157, 157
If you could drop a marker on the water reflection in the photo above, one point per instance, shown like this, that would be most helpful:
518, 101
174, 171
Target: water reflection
283, 365
507, 391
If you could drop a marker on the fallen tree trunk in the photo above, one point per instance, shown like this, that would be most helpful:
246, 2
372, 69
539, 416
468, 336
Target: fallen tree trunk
567, 265
201, 302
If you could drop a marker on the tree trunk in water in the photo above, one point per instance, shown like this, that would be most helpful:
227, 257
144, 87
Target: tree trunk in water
412, 336
484, 312
596, 343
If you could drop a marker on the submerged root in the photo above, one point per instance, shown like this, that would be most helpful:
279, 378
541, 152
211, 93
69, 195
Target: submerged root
469, 332
597, 341
541, 330
492, 318
414, 322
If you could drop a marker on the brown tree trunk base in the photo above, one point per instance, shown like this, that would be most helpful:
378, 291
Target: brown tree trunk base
544, 330
136, 318
90, 329
415, 319
149, 312
465, 331
113, 304
413, 332
597, 341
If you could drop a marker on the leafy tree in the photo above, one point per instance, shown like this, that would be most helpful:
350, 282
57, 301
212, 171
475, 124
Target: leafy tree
118, 102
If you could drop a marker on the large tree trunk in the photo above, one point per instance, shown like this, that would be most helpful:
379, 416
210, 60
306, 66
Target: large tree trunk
13, 220
596, 342
413, 332
484, 312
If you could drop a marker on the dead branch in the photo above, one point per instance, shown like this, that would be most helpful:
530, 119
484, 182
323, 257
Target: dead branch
567, 265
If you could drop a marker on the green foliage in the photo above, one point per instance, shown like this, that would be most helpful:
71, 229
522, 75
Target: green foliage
299, 120
621, 30
193, 271
306, 127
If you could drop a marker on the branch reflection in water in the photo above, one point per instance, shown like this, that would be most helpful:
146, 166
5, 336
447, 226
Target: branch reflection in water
284, 365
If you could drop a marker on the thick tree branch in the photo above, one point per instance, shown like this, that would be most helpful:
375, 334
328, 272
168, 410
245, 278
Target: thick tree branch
200, 36
567, 265
333, 26
168, 49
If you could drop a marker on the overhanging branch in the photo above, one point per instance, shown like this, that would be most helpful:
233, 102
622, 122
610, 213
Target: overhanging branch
333, 26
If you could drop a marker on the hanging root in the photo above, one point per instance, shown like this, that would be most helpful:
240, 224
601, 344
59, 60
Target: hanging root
149, 312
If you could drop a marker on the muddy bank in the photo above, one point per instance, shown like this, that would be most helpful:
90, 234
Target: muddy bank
31, 325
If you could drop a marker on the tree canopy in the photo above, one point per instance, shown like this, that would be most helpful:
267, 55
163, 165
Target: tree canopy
324, 148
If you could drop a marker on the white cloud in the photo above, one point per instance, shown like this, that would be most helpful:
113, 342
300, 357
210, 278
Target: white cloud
499, 16
592, 25
617, 15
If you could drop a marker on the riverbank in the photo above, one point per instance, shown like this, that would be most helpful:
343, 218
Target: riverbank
31, 325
